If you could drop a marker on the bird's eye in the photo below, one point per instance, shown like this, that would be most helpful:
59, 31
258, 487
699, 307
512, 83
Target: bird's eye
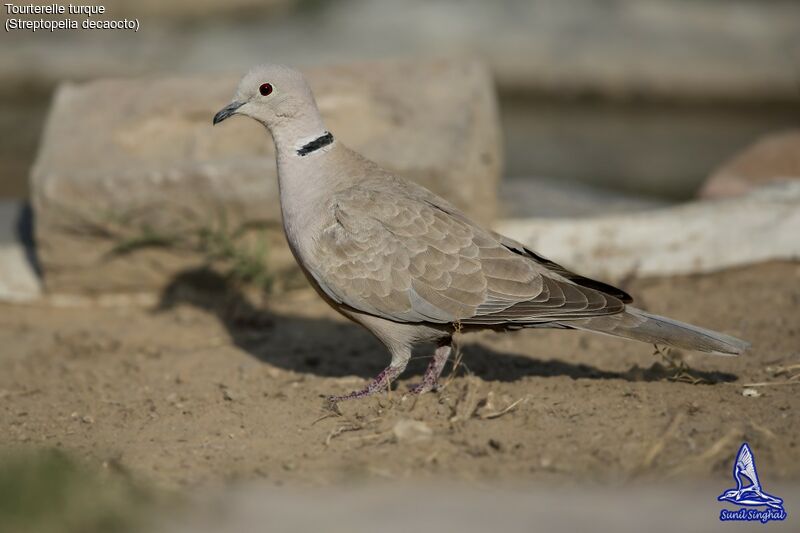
265, 89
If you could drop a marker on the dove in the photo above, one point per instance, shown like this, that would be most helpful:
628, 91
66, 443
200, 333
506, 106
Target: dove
409, 266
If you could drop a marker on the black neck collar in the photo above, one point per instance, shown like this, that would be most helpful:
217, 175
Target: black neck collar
323, 140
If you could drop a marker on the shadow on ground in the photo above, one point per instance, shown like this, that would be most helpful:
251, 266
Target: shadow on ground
313, 345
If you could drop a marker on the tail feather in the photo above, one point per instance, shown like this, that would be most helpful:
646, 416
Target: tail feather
636, 324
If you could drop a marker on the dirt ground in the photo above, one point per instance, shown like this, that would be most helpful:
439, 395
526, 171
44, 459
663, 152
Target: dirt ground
204, 388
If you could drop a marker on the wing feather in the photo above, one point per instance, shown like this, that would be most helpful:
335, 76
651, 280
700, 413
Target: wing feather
414, 258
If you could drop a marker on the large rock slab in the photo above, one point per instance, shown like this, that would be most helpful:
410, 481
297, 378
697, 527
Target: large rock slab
775, 157
136, 164
695, 237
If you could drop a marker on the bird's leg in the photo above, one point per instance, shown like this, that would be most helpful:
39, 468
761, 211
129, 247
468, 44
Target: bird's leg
430, 380
382, 381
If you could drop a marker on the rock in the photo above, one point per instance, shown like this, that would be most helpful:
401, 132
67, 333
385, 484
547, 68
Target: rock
775, 157
19, 280
696, 237
412, 431
232, 395
136, 165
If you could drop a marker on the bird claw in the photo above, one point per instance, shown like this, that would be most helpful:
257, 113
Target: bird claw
331, 405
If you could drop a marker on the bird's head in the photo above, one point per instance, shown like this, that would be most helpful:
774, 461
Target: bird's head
270, 94
728, 495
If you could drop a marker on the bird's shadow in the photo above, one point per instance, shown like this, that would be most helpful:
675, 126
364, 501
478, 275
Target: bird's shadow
331, 348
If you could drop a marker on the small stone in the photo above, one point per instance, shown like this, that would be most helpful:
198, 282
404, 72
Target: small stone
412, 431
230, 395
87, 419
273, 372
751, 392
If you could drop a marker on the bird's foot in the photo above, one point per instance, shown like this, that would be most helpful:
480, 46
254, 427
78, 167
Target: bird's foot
381, 383
430, 381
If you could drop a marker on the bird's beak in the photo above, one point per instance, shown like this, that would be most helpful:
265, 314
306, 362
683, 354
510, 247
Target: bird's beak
227, 111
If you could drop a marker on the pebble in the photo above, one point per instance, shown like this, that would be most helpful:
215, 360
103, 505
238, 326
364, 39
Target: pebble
412, 431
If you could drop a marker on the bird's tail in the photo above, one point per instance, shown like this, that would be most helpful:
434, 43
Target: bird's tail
636, 324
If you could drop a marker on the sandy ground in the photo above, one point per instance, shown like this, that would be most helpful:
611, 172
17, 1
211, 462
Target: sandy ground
204, 388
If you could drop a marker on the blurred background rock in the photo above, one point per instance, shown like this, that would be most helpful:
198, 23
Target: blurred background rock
643, 96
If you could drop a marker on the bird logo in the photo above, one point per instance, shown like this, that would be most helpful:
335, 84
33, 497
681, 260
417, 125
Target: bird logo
748, 491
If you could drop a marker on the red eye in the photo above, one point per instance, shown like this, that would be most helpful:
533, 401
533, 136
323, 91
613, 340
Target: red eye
265, 89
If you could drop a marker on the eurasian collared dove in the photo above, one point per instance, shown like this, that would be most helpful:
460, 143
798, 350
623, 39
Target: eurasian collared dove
409, 266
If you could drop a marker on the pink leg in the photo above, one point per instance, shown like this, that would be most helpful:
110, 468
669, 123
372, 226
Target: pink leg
430, 381
381, 383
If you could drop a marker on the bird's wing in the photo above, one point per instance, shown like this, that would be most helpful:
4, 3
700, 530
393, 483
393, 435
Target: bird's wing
552, 266
399, 255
